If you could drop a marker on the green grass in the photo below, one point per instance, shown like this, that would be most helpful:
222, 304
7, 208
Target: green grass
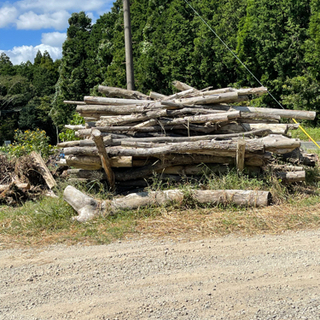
313, 132
49, 220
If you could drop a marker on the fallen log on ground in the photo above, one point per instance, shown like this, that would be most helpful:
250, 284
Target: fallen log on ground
88, 208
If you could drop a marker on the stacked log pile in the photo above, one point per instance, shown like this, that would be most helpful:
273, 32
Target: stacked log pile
129, 135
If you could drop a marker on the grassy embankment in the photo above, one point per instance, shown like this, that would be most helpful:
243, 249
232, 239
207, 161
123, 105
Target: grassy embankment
48, 221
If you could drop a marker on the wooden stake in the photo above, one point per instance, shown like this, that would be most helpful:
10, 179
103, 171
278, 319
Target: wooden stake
105, 161
241, 149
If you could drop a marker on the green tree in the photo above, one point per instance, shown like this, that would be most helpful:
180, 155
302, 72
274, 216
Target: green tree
6, 66
271, 41
72, 83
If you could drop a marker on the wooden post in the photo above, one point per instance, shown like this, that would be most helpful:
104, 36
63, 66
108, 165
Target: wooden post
241, 149
105, 161
128, 45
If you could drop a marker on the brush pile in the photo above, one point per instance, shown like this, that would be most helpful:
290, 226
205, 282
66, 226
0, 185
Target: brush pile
23, 179
128, 135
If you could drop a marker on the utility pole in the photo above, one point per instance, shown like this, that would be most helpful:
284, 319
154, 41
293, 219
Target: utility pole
128, 45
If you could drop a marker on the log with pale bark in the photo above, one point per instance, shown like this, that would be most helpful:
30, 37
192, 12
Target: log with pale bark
283, 113
89, 208
43, 169
178, 132
122, 93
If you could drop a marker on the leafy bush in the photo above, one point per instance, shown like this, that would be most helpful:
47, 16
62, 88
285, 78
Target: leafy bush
68, 134
27, 141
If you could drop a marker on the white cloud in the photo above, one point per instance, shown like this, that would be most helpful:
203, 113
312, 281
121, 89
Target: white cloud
25, 53
7, 16
53, 39
70, 5
32, 21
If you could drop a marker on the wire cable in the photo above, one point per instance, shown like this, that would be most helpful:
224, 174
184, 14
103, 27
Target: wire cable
249, 71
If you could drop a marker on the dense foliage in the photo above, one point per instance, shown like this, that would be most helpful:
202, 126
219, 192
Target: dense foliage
278, 40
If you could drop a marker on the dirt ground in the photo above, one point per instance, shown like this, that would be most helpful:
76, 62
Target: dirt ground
260, 277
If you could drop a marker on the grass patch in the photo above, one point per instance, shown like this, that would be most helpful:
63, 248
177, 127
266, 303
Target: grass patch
48, 221
314, 132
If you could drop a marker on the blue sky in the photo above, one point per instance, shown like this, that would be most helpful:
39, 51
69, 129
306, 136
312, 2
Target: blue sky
27, 26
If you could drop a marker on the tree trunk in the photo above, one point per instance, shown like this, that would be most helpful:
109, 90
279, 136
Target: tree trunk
88, 208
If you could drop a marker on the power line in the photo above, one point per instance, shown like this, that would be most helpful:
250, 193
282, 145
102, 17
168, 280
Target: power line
270, 94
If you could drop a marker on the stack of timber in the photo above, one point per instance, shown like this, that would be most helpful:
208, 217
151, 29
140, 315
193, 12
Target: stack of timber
128, 135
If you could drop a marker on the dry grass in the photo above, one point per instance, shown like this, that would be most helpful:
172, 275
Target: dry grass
168, 223
199, 223
48, 221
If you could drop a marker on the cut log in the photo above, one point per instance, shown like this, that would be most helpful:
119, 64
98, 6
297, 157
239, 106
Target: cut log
283, 113
156, 95
94, 163
75, 127
219, 117
291, 177
111, 110
181, 86
182, 94
127, 119
43, 169
217, 98
122, 93
280, 144
113, 101
278, 167
105, 161
88, 208
248, 198
218, 148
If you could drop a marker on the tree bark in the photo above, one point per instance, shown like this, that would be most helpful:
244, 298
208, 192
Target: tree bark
43, 169
156, 95
291, 177
240, 155
88, 208
218, 98
283, 113
122, 93
247, 198
181, 86
111, 110
113, 101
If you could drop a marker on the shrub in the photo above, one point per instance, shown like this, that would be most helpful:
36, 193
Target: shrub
27, 141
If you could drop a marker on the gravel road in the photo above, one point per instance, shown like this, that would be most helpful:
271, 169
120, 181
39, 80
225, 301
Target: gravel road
261, 277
